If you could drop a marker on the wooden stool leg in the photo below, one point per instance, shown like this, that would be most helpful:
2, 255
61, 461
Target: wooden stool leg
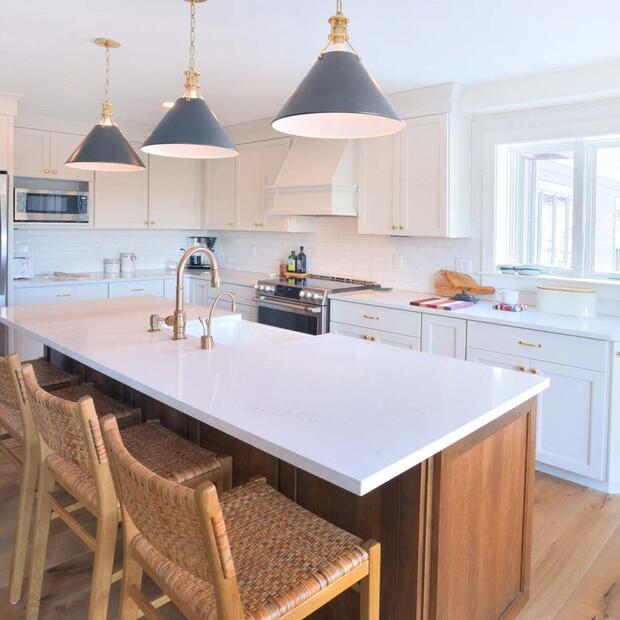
132, 577
107, 527
39, 551
227, 473
369, 586
27, 490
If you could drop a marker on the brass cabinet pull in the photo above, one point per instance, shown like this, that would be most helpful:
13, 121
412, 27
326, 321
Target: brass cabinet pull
136, 290
521, 368
146, 222
63, 294
370, 338
370, 317
534, 371
530, 344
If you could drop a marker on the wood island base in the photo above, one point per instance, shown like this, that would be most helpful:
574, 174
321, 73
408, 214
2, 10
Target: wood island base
455, 530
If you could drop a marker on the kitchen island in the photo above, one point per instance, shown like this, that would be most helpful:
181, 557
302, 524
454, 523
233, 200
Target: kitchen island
432, 457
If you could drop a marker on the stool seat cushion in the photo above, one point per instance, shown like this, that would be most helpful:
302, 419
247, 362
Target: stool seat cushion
283, 554
48, 376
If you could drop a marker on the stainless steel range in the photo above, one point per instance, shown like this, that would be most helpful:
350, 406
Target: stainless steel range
302, 305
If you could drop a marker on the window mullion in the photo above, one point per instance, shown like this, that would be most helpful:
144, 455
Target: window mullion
580, 245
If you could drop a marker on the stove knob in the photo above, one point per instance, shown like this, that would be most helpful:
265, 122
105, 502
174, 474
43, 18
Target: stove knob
302, 293
317, 296
262, 287
270, 289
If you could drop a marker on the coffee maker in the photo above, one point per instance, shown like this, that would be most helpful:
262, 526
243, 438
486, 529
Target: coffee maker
199, 261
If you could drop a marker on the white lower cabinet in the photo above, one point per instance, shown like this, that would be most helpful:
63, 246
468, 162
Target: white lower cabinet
572, 413
202, 294
198, 291
444, 335
375, 335
137, 288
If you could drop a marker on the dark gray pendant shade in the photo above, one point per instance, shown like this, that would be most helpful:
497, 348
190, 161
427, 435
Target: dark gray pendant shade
105, 149
338, 98
190, 130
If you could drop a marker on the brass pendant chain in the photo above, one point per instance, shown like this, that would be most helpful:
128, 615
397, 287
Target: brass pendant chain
107, 74
339, 7
192, 37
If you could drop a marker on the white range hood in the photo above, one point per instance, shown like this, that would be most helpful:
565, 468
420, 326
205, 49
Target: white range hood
318, 177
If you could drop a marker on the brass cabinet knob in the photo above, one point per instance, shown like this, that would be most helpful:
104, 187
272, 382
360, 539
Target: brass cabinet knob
534, 371
46, 170
231, 224
393, 227
146, 222
401, 227
54, 171
521, 368
152, 222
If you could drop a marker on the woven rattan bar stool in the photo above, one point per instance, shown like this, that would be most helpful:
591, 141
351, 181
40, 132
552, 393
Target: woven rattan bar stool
50, 377
69, 456
251, 554
24, 453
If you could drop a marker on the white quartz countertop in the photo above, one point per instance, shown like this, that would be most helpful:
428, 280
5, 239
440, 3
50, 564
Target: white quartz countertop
229, 276
347, 411
599, 327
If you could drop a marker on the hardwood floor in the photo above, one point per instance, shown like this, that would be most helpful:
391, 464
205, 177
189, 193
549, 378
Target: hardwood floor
575, 572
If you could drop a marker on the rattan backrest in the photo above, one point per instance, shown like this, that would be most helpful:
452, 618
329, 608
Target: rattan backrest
8, 395
186, 526
58, 421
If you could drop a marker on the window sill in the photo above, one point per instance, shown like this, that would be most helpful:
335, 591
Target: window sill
546, 277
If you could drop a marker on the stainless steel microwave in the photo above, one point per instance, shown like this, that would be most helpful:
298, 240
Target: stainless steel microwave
51, 205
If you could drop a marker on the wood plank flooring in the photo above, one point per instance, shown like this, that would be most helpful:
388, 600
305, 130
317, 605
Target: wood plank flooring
575, 572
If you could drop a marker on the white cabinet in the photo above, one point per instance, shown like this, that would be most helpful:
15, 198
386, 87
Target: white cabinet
220, 211
573, 413
121, 198
44, 153
137, 288
614, 422
198, 291
235, 194
376, 317
444, 335
417, 183
375, 335
175, 193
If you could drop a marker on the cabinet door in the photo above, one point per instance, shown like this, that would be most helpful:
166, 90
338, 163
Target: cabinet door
61, 147
248, 187
499, 360
443, 335
175, 193
379, 186
572, 419
273, 154
199, 292
424, 183
121, 198
220, 180
374, 335
32, 153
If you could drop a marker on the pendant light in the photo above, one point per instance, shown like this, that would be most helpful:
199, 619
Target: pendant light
338, 98
189, 129
105, 148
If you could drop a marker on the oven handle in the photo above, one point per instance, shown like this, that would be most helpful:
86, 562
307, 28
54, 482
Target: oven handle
263, 301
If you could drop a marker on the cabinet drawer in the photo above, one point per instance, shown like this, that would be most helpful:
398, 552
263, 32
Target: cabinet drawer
375, 335
137, 288
243, 294
537, 345
60, 293
376, 317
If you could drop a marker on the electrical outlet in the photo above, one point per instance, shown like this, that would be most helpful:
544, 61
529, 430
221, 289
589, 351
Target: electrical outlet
464, 265
397, 262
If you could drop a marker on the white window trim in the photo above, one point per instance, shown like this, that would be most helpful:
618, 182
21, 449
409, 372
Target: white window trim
594, 128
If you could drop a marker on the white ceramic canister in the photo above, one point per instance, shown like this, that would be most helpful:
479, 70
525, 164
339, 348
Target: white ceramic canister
111, 266
128, 262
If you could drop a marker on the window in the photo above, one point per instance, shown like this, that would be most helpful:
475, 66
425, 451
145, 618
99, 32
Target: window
558, 206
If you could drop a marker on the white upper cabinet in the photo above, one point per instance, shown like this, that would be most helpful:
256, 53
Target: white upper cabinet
44, 153
219, 192
121, 198
175, 193
235, 192
417, 183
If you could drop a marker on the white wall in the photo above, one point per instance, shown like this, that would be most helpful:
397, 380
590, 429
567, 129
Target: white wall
84, 250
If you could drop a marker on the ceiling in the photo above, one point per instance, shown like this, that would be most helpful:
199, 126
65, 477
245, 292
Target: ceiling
252, 53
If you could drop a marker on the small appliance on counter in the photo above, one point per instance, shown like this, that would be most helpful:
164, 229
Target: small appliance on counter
128, 262
23, 268
111, 266
567, 300
199, 261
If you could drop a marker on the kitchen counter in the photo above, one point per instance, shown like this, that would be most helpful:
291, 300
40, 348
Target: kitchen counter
599, 327
357, 416
229, 276
432, 457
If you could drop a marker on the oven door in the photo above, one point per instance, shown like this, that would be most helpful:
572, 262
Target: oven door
41, 205
290, 315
